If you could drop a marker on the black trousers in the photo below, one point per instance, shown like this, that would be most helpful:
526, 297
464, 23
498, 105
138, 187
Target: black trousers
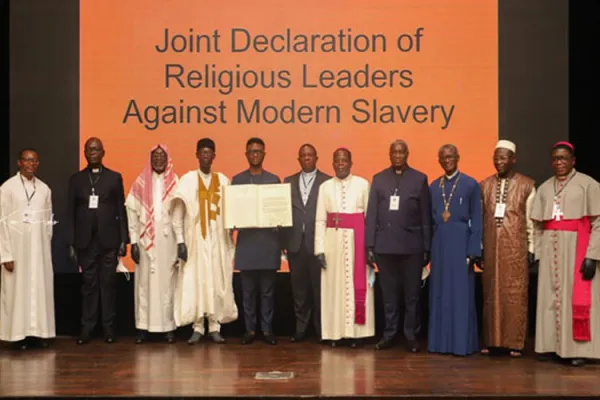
99, 268
305, 273
400, 274
253, 283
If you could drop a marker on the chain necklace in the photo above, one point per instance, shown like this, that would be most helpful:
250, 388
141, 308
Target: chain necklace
501, 197
446, 214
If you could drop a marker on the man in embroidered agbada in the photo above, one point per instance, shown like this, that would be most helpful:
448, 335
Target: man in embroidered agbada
456, 248
153, 245
347, 304
567, 244
27, 296
507, 197
204, 283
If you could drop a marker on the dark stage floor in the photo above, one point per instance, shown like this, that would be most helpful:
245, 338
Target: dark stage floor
157, 369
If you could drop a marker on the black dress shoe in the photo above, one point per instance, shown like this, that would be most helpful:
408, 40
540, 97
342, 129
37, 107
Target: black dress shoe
216, 337
83, 339
354, 343
20, 345
297, 338
170, 337
44, 343
334, 343
248, 338
412, 346
109, 339
384, 343
578, 362
269, 338
140, 338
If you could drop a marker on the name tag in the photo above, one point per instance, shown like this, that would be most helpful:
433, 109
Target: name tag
27, 217
500, 210
93, 201
394, 203
556, 213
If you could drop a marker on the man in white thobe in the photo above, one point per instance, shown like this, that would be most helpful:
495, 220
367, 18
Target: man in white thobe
153, 245
27, 282
347, 304
204, 290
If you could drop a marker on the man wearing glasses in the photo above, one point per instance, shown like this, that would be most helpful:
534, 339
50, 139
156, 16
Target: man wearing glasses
26, 277
257, 252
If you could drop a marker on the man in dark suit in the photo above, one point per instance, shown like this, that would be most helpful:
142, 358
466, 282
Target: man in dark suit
257, 252
97, 235
305, 268
398, 239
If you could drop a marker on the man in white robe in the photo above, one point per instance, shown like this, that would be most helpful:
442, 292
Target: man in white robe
204, 289
347, 303
26, 280
153, 245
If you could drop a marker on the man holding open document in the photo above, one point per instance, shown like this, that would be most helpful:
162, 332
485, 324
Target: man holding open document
258, 248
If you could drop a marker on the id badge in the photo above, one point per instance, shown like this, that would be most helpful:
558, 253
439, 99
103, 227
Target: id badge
27, 217
500, 210
394, 203
93, 201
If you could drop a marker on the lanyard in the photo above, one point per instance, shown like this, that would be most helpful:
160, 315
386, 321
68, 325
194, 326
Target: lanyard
27, 196
95, 181
306, 184
556, 193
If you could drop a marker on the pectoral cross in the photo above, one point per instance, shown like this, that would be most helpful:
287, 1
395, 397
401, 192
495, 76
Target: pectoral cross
337, 220
557, 214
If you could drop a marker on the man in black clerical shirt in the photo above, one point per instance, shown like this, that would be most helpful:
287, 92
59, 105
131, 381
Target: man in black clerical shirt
97, 234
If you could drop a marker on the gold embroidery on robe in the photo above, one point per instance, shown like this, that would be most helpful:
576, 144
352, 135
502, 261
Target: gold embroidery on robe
208, 197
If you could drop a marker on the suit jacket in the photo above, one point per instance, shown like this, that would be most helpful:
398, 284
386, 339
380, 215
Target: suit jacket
303, 216
109, 218
408, 229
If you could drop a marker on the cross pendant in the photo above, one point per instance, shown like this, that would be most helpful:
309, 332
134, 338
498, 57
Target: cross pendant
446, 215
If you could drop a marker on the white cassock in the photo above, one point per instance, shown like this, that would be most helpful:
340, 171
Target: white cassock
349, 195
204, 286
27, 293
155, 275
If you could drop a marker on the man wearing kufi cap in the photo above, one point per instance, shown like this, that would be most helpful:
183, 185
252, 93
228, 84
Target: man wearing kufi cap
507, 197
203, 290
567, 243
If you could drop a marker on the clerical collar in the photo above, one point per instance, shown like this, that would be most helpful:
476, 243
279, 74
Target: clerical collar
402, 171
452, 176
96, 170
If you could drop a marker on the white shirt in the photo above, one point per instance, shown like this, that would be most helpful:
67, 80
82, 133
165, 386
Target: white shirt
157, 189
306, 181
206, 178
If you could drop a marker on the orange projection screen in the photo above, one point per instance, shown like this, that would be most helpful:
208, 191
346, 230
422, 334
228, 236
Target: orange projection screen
352, 73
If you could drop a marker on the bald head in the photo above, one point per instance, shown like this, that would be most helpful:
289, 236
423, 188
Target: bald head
94, 152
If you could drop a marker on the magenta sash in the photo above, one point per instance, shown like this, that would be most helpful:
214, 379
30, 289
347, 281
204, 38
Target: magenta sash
582, 290
356, 222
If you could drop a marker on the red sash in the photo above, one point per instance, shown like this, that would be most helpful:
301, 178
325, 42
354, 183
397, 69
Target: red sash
356, 222
582, 290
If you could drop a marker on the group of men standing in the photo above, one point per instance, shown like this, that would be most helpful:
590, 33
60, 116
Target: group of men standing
343, 228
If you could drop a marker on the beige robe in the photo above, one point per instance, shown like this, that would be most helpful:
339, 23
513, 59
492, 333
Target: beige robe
554, 330
205, 282
26, 293
337, 280
155, 275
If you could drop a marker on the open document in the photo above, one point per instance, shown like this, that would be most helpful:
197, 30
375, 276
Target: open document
258, 206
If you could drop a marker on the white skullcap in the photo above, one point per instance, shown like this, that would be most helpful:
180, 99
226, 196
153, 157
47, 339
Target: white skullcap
506, 144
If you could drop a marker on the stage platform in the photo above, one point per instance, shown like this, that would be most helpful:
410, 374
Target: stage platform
157, 369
